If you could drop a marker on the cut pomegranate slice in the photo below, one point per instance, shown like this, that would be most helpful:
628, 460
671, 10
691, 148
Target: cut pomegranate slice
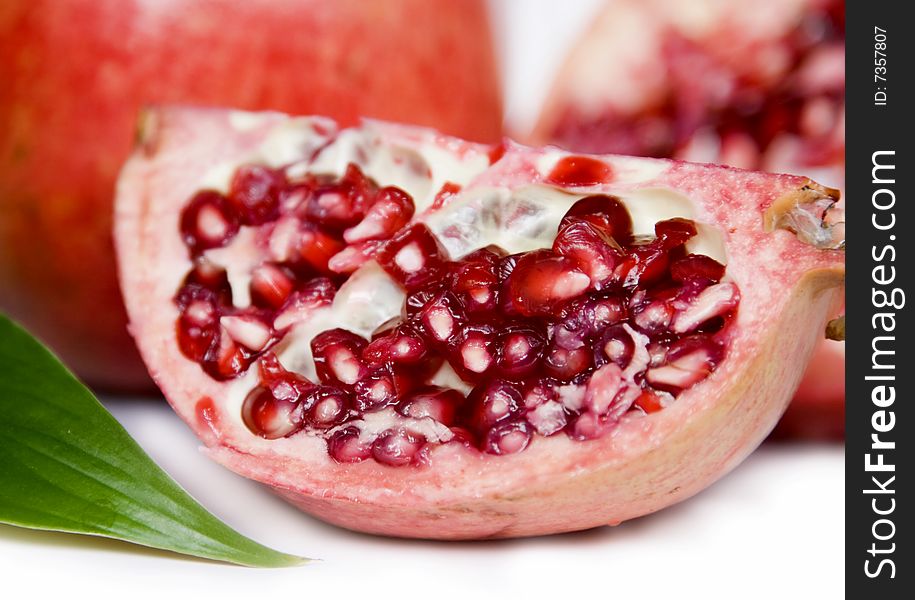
525, 358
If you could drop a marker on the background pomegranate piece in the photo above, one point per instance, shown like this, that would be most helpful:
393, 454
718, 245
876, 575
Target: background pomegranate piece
747, 110
66, 125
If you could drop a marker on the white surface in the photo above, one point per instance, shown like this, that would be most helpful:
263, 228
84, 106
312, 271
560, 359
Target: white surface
773, 528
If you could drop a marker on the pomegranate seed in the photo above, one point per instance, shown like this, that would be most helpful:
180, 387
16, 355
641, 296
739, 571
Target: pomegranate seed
440, 319
714, 301
542, 281
651, 401
197, 330
476, 281
603, 388
270, 417
254, 193
339, 206
376, 390
615, 345
645, 265
400, 346
607, 213
653, 317
337, 355
579, 171
518, 349
316, 247
327, 407
436, 403
492, 402
674, 232
270, 286
689, 361
208, 221
696, 266
300, 304
595, 253
413, 257
508, 438
225, 359
397, 447
345, 446
474, 353
566, 365
352, 257
393, 208
496, 153
248, 331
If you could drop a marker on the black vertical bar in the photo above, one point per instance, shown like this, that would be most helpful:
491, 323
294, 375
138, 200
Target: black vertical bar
880, 61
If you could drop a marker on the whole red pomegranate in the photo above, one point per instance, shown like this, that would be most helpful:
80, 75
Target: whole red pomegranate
75, 73
409, 334
757, 85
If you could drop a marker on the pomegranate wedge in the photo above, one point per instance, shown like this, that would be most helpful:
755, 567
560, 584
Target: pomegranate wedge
424, 337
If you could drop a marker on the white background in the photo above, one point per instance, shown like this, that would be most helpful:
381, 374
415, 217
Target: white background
774, 528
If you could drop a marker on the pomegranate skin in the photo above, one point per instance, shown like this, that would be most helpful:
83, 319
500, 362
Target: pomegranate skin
788, 290
76, 73
735, 43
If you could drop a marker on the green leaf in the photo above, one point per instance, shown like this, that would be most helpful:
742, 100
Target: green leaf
67, 465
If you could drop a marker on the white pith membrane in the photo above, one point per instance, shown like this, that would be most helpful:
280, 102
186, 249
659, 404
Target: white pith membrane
511, 219
643, 464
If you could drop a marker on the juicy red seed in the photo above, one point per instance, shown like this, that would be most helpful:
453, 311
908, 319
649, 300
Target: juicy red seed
354, 256
653, 317
596, 254
338, 206
607, 213
197, 329
508, 438
651, 401
376, 390
542, 282
270, 286
674, 232
438, 403
696, 266
254, 193
472, 353
316, 247
393, 208
688, 361
580, 171
326, 406
614, 345
645, 265
518, 349
400, 346
270, 417
344, 446
338, 356
397, 447
440, 319
492, 402
208, 221
507, 265
413, 257
565, 364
